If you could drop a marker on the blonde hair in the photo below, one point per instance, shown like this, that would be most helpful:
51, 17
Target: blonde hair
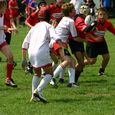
102, 10
67, 8
3, 3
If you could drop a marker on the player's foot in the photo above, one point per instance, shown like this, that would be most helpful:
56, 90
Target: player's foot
35, 99
10, 83
39, 96
61, 80
54, 83
72, 85
101, 73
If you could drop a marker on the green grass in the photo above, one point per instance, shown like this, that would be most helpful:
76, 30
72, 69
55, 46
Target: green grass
95, 96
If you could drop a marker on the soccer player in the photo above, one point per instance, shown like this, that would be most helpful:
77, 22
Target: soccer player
93, 48
77, 48
63, 30
37, 43
9, 23
14, 10
4, 47
32, 18
56, 11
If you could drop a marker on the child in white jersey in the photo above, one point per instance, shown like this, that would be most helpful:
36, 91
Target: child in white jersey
65, 28
37, 43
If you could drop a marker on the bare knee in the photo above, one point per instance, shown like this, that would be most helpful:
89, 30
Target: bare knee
10, 58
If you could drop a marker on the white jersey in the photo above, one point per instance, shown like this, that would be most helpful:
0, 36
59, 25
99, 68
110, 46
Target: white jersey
65, 28
37, 40
2, 35
77, 4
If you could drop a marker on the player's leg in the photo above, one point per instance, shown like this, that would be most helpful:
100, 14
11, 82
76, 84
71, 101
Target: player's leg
45, 80
35, 82
9, 68
79, 67
104, 63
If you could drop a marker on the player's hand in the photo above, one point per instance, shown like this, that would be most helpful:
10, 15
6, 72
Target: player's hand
24, 63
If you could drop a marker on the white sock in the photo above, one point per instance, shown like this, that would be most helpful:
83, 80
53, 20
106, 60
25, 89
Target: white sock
71, 72
34, 83
54, 65
61, 75
46, 79
57, 71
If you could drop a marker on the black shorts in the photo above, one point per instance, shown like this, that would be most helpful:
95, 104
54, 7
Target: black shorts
95, 49
76, 46
8, 37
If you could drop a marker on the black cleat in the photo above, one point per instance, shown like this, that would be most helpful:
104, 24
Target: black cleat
39, 96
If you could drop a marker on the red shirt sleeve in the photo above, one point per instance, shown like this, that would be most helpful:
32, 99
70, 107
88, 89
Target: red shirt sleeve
110, 27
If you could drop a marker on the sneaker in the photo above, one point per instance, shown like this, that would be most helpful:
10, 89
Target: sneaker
101, 73
72, 85
35, 99
61, 80
40, 96
10, 83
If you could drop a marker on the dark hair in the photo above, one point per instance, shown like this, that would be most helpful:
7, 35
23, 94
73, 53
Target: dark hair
41, 2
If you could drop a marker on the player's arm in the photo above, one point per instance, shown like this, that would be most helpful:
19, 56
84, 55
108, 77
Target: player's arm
78, 39
25, 46
90, 27
27, 22
111, 28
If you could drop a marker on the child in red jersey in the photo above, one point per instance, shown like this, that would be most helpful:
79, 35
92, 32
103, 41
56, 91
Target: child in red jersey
4, 47
9, 23
56, 11
32, 18
14, 10
93, 48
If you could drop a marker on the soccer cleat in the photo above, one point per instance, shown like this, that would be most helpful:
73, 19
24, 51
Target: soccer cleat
72, 85
101, 73
10, 83
61, 80
54, 83
35, 99
39, 96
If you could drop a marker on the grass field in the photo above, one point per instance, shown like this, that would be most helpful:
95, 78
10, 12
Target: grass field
95, 96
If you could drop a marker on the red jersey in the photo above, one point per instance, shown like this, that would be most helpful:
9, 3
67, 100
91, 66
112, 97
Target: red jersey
13, 11
107, 25
7, 18
32, 19
102, 28
80, 25
55, 12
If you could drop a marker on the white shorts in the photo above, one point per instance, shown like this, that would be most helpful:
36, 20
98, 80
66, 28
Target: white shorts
40, 58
